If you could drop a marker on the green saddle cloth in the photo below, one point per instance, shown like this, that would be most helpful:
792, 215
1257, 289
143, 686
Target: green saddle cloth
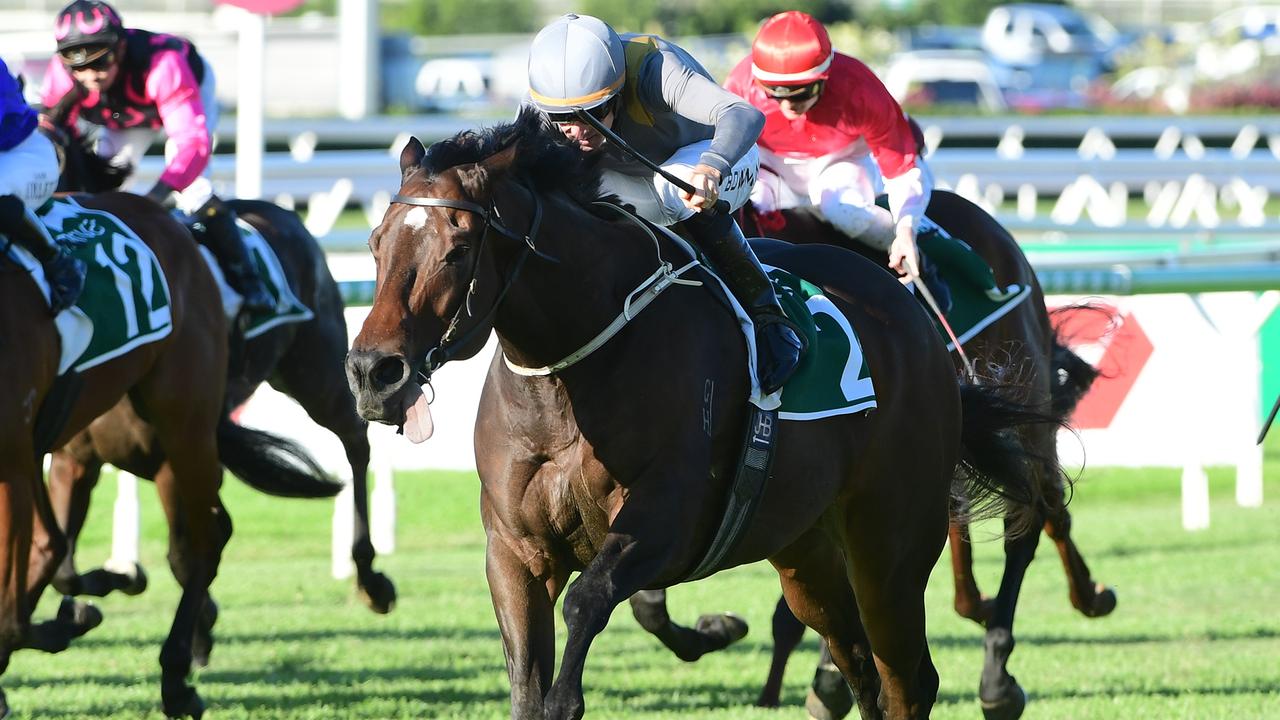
976, 300
833, 377
125, 302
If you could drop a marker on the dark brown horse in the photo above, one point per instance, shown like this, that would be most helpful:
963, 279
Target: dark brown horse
1051, 376
302, 360
191, 430
617, 466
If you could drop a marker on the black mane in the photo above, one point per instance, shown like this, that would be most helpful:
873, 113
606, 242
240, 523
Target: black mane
543, 155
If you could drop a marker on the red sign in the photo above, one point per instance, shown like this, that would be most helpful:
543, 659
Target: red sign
262, 7
1125, 349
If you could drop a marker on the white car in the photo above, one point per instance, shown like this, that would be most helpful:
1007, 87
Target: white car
1022, 34
944, 77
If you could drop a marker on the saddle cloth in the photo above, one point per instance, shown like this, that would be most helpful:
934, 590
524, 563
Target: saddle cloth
125, 302
287, 309
833, 377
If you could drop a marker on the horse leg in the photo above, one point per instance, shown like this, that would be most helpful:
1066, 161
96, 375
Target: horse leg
73, 475
48, 551
969, 602
892, 541
323, 393
624, 565
712, 633
816, 588
1092, 599
16, 510
787, 632
1001, 696
524, 602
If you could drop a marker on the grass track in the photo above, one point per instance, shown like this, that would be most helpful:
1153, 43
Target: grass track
1196, 634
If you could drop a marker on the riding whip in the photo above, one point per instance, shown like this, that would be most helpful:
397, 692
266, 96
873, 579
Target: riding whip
721, 207
923, 289
1270, 419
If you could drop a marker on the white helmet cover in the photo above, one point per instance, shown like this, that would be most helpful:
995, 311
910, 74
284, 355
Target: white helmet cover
575, 62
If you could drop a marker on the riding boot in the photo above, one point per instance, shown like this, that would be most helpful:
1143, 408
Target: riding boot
64, 273
222, 236
779, 343
933, 280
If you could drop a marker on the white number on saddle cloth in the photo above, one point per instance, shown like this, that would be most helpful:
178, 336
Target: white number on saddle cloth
123, 248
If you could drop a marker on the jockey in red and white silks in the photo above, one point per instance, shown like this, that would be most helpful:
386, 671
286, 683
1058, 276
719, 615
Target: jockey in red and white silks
833, 137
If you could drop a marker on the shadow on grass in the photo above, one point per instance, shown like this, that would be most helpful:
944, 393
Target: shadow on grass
230, 635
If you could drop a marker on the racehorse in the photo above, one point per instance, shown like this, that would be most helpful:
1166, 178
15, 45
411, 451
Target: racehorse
191, 431
1052, 376
616, 465
303, 360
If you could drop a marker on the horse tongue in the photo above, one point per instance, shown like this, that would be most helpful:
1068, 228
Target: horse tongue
417, 417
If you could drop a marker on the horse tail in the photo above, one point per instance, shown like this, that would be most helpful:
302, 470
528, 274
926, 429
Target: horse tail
272, 464
1071, 376
996, 474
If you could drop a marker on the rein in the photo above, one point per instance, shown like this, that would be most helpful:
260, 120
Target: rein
446, 349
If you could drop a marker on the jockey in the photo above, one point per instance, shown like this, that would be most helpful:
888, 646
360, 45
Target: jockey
28, 177
829, 122
655, 96
132, 85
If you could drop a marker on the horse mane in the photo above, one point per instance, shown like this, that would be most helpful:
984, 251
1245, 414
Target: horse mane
543, 155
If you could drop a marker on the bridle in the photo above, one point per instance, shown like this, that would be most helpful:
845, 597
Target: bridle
447, 348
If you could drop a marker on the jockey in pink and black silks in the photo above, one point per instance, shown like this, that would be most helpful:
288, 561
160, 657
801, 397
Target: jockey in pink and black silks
833, 137
125, 87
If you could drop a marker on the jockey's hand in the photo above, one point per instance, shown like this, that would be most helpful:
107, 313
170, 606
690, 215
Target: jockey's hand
160, 192
706, 181
904, 258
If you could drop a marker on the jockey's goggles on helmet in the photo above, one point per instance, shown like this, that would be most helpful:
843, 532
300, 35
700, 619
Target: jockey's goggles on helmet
90, 57
599, 112
793, 93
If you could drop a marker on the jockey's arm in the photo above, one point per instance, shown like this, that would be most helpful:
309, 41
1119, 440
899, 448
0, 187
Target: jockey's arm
173, 87
695, 97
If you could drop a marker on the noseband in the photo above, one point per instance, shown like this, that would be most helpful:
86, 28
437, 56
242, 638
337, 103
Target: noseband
447, 348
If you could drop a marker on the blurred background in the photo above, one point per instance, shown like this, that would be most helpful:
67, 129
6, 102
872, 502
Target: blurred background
966, 56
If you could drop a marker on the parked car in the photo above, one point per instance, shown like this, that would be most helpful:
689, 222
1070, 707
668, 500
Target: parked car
1024, 34
944, 77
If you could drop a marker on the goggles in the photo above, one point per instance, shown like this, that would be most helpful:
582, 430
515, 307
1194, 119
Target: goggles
599, 112
79, 59
793, 93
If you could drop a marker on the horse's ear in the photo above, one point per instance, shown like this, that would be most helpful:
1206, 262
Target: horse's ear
411, 156
500, 163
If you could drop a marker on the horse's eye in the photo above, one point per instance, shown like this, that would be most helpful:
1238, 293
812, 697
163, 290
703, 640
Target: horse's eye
457, 254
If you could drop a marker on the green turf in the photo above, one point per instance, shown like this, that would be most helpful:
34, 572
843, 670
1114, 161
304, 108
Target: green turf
1196, 634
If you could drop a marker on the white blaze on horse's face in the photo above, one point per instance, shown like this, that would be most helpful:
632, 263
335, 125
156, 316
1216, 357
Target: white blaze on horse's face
416, 218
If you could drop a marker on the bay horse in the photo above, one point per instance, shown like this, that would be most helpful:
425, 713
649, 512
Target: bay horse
1052, 376
616, 466
191, 429
303, 360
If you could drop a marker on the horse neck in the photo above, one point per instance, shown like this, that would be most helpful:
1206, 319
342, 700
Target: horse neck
553, 309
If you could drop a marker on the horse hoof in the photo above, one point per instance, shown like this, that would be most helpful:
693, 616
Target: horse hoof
768, 701
190, 706
1009, 707
819, 709
721, 630
379, 593
82, 616
137, 581
1103, 602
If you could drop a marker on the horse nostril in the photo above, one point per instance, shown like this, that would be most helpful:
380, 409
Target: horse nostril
389, 372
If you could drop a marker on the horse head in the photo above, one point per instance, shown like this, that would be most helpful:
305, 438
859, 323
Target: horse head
447, 250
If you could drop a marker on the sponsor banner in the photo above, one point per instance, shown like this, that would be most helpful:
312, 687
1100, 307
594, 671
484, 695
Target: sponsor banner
1181, 378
